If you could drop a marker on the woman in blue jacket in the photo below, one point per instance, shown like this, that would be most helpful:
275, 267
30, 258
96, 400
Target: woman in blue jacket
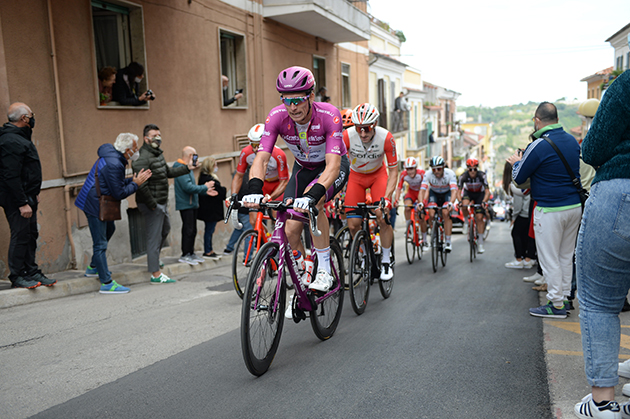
111, 165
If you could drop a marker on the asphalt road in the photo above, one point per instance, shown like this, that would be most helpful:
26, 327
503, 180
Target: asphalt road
453, 344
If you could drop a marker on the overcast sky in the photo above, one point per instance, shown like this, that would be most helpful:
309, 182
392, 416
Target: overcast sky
504, 52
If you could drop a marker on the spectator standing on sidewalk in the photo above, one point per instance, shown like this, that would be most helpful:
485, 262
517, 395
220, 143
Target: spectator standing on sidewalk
558, 211
112, 181
20, 184
603, 251
210, 207
187, 203
152, 198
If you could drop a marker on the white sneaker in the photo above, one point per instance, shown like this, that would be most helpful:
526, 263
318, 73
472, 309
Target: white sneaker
386, 272
626, 389
540, 281
532, 278
480, 248
515, 264
448, 247
196, 258
528, 265
187, 259
587, 409
323, 281
624, 371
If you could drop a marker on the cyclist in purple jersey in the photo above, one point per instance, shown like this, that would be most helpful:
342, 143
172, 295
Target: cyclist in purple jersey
314, 133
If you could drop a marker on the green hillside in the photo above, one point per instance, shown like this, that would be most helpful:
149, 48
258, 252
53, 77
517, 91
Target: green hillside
512, 125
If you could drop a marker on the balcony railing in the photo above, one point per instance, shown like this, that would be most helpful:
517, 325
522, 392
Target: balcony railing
399, 121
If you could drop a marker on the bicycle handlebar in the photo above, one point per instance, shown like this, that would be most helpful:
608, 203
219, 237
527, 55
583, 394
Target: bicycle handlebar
364, 208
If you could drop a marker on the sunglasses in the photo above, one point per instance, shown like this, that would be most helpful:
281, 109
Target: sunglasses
294, 100
437, 169
364, 128
472, 169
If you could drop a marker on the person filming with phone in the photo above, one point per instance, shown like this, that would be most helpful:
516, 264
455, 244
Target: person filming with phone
187, 203
227, 101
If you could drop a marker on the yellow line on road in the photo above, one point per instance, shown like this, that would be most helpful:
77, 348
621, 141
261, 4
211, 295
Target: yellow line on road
575, 328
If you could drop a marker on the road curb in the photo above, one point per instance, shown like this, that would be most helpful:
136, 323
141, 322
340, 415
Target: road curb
73, 282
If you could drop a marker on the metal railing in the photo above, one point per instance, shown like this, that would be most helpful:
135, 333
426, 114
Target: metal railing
399, 121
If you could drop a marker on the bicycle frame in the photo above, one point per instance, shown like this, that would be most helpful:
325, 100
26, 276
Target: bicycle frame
262, 236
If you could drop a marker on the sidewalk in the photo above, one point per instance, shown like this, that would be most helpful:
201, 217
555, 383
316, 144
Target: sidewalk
73, 282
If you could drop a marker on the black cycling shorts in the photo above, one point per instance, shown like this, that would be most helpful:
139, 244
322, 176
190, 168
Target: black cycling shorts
301, 177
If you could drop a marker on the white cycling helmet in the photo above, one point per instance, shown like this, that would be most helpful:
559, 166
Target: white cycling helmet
411, 163
255, 133
365, 114
436, 161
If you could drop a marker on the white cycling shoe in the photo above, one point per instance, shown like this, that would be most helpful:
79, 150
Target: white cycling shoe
448, 247
480, 248
386, 272
323, 281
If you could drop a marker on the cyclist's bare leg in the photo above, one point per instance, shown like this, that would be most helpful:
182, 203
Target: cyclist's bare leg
408, 203
481, 225
465, 203
354, 225
448, 223
387, 232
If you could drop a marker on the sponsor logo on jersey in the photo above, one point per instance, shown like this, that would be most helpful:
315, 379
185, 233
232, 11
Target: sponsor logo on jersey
336, 120
267, 120
318, 126
266, 133
336, 149
337, 134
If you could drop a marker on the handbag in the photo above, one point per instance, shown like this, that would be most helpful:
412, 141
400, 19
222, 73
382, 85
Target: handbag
109, 208
578, 185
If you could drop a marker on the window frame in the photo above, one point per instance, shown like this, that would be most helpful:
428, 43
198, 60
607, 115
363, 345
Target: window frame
346, 99
137, 14
319, 75
241, 75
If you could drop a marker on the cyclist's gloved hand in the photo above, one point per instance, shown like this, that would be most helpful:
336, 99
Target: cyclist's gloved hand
388, 204
419, 206
253, 198
302, 203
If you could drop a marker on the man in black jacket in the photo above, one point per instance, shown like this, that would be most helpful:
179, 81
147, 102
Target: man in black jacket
152, 198
20, 184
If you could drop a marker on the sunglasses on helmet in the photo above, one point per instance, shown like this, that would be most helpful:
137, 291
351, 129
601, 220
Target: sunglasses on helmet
294, 100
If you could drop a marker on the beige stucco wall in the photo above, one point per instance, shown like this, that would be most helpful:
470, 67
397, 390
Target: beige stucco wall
182, 68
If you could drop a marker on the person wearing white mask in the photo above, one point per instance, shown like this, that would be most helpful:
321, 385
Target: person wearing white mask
109, 169
127, 87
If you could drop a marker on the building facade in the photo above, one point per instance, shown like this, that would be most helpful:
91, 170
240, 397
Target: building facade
51, 52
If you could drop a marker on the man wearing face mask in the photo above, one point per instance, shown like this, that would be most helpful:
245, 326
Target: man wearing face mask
20, 184
558, 211
111, 165
152, 198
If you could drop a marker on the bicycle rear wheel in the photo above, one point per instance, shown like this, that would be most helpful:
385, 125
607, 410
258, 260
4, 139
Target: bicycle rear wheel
435, 252
410, 246
386, 286
244, 254
471, 240
262, 314
344, 238
359, 272
325, 318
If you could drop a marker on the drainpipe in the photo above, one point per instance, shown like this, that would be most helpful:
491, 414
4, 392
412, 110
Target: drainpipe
68, 208
62, 139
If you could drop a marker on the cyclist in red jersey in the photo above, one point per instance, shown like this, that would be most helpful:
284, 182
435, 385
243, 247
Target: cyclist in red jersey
276, 175
367, 147
313, 132
413, 177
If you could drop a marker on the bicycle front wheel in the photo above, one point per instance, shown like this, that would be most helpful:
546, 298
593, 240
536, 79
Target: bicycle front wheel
410, 245
435, 252
443, 253
471, 240
325, 318
262, 314
244, 254
486, 233
359, 272
386, 286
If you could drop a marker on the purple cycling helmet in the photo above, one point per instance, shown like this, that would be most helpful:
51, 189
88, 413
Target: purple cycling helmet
295, 79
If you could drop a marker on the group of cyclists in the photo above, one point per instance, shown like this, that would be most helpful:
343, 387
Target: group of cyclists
337, 152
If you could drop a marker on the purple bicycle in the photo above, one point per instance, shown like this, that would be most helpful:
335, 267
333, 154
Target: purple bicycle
264, 300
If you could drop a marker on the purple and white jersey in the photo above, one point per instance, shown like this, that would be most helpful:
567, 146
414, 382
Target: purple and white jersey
324, 134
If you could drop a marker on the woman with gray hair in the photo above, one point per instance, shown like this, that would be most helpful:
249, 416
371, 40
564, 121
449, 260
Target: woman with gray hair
210, 207
111, 166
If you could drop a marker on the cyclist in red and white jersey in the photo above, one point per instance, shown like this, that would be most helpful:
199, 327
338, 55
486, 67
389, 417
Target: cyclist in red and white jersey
367, 147
439, 187
473, 187
413, 178
313, 132
276, 175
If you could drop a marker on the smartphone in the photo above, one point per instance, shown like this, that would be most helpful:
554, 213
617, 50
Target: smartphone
195, 160
238, 91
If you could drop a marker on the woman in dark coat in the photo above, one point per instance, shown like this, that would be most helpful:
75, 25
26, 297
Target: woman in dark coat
210, 207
